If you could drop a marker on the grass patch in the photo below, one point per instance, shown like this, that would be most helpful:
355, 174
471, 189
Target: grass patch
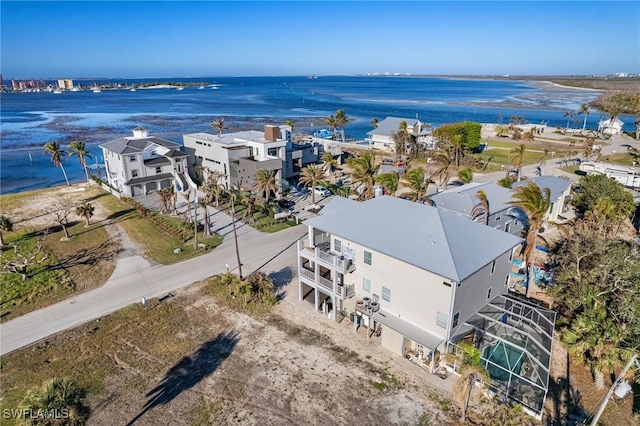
575, 169
131, 341
503, 156
158, 245
623, 158
228, 290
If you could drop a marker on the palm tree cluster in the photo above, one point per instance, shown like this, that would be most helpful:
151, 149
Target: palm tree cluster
54, 396
339, 121
78, 148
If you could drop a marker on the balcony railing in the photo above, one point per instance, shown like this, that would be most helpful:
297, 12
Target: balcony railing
347, 290
322, 253
328, 284
308, 274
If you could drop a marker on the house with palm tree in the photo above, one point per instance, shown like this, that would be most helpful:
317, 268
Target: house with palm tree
560, 196
141, 164
611, 126
382, 136
423, 283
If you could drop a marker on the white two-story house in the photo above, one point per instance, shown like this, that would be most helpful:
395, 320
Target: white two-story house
382, 136
141, 164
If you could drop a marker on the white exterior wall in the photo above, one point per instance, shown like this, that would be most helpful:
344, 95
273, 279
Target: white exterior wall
417, 295
214, 155
117, 170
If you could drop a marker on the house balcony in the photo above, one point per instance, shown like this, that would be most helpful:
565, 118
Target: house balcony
321, 253
343, 291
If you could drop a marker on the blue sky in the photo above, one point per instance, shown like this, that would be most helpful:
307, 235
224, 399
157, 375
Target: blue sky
179, 39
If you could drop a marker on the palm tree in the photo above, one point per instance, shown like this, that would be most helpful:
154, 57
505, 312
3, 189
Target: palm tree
418, 183
57, 394
213, 187
637, 124
264, 181
374, 122
481, 210
535, 203
390, 181
584, 109
85, 210
166, 196
53, 148
364, 173
233, 198
207, 221
311, 176
331, 121
444, 161
465, 175
330, 163
218, 123
400, 137
569, 115
249, 200
518, 159
342, 120
5, 226
78, 148
470, 371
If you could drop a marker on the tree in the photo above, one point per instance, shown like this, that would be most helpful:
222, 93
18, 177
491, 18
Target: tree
591, 188
85, 210
481, 210
207, 221
596, 291
341, 121
584, 109
167, 197
518, 159
249, 200
470, 371
78, 148
389, 181
502, 131
5, 226
374, 122
264, 181
213, 187
400, 138
56, 394
465, 175
637, 124
24, 257
444, 161
59, 211
331, 121
418, 183
569, 115
53, 148
311, 176
535, 203
330, 163
218, 124
364, 174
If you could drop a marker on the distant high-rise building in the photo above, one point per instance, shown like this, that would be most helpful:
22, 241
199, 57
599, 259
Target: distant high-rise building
65, 83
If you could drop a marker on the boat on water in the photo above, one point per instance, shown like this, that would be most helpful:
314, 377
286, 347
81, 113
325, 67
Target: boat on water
180, 88
133, 89
214, 87
57, 92
97, 90
75, 89
201, 87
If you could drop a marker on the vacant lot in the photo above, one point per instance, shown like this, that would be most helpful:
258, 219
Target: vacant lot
192, 361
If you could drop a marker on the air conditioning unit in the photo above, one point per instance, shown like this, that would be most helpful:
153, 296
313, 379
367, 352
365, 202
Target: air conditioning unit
367, 302
375, 306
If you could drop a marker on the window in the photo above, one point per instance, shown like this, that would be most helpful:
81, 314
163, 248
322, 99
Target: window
507, 227
132, 158
273, 152
493, 267
367, 257
366, 285
134, 173
386, 294
456, 317
158, 170
506, 281
489, 293
441, 320
154, 152
498, 218
337, 246
510, 255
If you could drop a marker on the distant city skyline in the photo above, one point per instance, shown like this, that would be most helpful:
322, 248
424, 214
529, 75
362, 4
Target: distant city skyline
192, 39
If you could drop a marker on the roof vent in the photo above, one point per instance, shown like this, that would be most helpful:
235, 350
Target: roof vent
140, 132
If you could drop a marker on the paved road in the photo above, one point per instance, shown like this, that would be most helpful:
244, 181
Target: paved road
275, 252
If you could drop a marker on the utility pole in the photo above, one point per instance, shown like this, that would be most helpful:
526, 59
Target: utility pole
603, 405
195, 220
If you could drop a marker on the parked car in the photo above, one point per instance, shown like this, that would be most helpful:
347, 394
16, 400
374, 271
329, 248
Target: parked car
324, 192
286, 204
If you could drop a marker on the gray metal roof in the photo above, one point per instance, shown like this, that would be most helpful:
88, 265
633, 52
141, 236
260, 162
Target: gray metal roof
336, 204
152, 178
413, 332
556, 184
424, 236
136, 145
462, 199
391, 124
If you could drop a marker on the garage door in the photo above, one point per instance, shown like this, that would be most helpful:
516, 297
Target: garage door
151, 187
165, 184
136, 190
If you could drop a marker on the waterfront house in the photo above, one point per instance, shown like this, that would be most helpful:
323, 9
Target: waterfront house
560, 196
141, 164
422, 283
611, 126
382, 136
239, 155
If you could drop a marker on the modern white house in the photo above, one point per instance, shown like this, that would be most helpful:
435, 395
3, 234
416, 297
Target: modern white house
382, 136
560, 195
463, 200
611, 126
239, 155
627, 176
423, 282
141, 164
